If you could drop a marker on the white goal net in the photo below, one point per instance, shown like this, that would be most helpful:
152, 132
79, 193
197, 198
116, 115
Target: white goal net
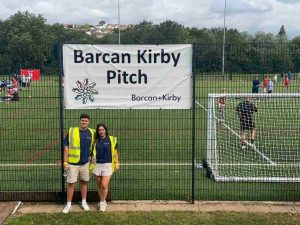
271, 154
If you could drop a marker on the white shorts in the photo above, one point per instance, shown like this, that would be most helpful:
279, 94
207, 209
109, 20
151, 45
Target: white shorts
81, 170
103, 169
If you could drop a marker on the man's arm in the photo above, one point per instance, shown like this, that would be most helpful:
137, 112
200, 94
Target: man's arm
66, 152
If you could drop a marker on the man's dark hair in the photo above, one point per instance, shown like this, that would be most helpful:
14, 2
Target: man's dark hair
85, 115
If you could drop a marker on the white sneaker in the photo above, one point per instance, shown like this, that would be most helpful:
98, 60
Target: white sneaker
85, 206
66, 209
102, 206
243, 147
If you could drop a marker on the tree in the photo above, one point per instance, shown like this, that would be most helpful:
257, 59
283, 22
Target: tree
282, 36
170, 32
296, 53
143, 33
28, 40
101, 23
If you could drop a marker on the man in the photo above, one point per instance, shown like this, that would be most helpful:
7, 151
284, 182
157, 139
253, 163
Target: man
78, 147
255, 85
245, 111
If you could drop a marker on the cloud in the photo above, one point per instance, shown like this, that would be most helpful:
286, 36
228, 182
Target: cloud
289, 1
244, 15
240, 7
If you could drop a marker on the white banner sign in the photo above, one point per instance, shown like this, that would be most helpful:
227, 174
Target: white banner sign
127, 76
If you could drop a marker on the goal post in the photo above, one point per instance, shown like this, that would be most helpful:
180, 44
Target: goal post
270, 151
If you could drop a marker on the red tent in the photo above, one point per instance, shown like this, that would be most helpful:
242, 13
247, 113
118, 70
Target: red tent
34, 73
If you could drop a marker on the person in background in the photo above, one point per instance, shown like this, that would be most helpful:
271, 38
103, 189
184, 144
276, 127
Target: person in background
275, 78
78, 147
15, 83
270, 86
28, 80
23, 82
290, 75
265, 83
255, 85
3, 85
105, 155
11, 95
286, 81
222, 104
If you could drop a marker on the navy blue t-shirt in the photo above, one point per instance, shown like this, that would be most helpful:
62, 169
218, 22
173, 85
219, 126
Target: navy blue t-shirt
255, 86
103, 154
85, 142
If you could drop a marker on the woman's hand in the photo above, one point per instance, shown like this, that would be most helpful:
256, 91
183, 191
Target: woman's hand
117, 166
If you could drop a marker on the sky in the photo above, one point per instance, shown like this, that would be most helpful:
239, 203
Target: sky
250, 16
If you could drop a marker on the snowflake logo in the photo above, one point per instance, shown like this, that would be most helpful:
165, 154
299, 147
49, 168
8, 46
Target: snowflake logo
85, 91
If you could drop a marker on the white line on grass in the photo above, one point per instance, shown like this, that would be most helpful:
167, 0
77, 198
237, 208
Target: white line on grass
123, 164
158, 164
27, 164
201, 105
236, 134
259, 164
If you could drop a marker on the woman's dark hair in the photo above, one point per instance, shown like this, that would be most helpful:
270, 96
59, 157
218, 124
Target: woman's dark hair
97, 136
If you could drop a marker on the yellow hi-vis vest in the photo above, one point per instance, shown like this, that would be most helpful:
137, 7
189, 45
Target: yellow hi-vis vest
74, 144
113, 142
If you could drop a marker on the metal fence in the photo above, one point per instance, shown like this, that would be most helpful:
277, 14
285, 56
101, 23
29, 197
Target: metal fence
161, 151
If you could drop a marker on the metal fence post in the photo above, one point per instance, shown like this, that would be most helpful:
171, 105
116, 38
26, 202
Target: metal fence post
193, 126
61, 117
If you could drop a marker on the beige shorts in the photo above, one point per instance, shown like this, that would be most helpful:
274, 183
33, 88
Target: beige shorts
82, 171
103, 169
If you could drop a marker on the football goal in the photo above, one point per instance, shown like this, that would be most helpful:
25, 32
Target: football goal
254, 137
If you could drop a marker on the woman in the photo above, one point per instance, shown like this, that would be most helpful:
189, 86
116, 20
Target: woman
105, 153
